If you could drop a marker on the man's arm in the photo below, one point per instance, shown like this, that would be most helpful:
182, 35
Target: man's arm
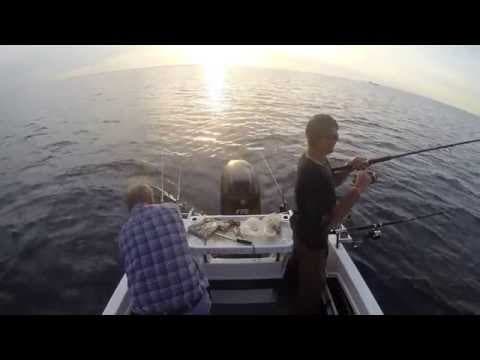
345, 204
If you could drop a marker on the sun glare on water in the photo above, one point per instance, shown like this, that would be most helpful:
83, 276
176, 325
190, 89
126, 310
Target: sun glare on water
214, 76
215, 60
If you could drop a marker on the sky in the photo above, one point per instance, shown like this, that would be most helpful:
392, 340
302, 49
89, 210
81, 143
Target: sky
448, 74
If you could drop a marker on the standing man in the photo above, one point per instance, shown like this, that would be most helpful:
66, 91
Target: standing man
317, 210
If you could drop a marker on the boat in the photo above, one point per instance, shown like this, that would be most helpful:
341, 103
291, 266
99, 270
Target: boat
246, 277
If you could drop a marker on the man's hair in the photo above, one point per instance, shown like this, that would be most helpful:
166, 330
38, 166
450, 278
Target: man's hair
318, 126
136, 194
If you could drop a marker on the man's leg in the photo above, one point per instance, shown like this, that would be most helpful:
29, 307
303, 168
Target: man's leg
289, 289
312, 281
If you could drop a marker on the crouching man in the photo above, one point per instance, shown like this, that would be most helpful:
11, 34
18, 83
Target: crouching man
163, 277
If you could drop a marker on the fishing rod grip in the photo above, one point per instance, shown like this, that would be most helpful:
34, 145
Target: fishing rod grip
349, 167
342, 168
370, 162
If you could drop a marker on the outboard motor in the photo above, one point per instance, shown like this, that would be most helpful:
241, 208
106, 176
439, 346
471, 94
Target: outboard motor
240, 189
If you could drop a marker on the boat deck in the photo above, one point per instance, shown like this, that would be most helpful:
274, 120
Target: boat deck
275, 302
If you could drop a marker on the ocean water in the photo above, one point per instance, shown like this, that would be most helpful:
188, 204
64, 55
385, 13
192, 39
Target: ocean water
69, 149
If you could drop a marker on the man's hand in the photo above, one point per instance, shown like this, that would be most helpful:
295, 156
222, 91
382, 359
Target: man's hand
364, 179
359, 163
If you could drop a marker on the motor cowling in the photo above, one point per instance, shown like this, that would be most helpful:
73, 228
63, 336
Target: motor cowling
240, 189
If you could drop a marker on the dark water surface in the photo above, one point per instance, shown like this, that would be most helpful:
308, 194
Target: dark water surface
69, 149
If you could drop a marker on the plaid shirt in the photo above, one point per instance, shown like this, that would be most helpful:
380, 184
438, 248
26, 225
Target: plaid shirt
163, 277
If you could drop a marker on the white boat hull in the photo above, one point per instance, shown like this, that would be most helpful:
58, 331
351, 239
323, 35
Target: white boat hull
229, 270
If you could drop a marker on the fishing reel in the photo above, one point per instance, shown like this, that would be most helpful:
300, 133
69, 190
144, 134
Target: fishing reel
373, 177
343, 236
375, 233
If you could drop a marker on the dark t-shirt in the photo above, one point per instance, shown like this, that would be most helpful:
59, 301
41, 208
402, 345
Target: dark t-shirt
315, 200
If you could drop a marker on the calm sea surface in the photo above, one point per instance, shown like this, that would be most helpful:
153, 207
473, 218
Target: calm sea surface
69, 149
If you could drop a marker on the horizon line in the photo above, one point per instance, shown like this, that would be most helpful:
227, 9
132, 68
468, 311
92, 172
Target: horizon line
73, 77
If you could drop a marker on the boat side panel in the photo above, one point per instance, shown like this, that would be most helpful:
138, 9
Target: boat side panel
354, 285
119, 303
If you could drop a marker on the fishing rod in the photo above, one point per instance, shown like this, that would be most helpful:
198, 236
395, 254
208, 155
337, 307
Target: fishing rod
375, 229
284, 205
391, 157
179, 182
163, 176
164, 194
